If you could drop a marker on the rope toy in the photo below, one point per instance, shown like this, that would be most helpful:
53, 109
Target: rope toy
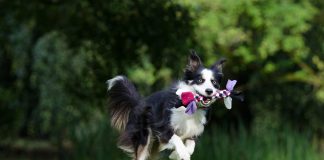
193, 101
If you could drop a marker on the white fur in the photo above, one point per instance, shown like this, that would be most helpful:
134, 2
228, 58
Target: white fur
112, 82
146, 152
207, 75
180, 148
184, 125
190, 144
183, 87
127, 149
174, 155
166, 146
187, 126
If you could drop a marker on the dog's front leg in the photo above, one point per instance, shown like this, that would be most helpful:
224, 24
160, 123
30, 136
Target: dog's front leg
190, 145
180, 148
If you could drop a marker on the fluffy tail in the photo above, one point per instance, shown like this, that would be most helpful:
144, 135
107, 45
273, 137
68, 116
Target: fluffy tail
122, 98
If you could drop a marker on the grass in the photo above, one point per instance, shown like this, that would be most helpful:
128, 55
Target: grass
242, 145
97, 141
214, 144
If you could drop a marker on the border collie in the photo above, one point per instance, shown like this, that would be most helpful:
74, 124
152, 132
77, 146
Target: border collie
158, 122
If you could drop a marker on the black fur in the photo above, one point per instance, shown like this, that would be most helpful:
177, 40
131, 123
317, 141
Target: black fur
193, 67
151, 114
218, 69
122, 99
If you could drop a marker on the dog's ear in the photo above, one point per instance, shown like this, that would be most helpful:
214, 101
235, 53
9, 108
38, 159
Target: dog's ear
218, 66
193, 62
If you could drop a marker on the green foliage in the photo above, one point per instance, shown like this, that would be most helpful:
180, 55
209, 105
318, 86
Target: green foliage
147, 75
55, 57
268, 47
254, 29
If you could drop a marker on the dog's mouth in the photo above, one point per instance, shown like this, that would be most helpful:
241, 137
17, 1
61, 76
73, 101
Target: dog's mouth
206, 100
204, 97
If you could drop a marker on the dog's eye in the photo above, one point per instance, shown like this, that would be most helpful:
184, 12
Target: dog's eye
215, 83
201, 80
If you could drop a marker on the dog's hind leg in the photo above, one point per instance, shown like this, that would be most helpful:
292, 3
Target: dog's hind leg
143, 150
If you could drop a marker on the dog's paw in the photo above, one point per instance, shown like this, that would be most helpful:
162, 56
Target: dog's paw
173, 155
179, 156
184, 155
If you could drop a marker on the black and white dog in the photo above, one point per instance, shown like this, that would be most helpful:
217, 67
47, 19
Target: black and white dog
158, 122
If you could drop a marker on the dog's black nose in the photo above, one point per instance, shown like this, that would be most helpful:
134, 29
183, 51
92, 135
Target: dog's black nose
209, 91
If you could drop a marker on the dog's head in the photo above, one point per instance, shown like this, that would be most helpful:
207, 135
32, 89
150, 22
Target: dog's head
204, 81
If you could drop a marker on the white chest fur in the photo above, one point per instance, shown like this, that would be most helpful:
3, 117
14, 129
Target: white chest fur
187, 126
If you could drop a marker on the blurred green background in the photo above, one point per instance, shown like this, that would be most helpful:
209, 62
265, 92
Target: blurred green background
56, 55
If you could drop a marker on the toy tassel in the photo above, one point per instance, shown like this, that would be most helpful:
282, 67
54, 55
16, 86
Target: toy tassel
191, 108
228, 100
